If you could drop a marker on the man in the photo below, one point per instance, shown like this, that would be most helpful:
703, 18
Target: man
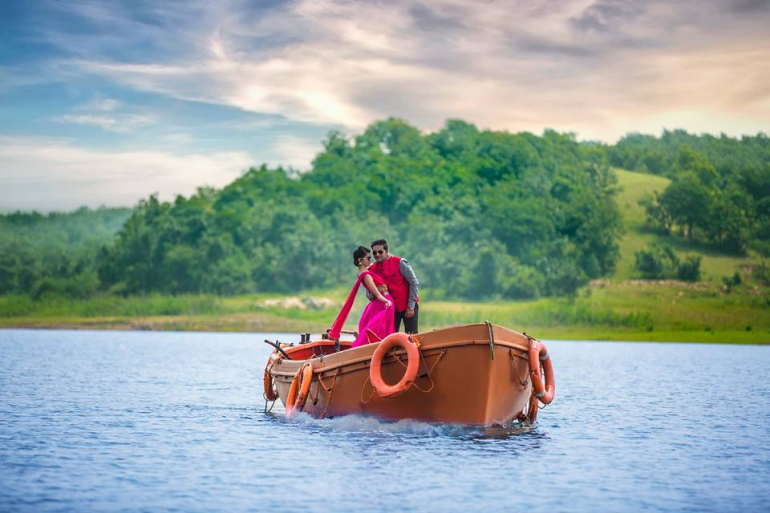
402, 284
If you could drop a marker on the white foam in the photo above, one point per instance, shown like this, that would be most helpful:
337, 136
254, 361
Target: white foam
367, 424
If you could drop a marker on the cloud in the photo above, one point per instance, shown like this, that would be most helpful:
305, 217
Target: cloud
54, 174
108, 114
599, 68
122, 123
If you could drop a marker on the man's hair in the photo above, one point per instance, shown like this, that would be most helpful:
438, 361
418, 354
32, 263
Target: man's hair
381, 242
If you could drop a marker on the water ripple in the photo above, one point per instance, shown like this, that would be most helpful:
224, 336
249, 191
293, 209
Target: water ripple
175, 422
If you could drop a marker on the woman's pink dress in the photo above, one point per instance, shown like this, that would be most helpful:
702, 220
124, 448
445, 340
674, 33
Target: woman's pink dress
376, 317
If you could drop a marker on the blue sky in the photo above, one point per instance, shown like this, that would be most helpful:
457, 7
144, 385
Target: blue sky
106, 102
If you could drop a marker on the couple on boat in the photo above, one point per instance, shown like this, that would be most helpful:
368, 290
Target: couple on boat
391, 287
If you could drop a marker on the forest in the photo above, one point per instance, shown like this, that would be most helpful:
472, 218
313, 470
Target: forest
480, 214
720, 190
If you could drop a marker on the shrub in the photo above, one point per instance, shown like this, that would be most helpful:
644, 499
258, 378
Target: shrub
661, 262
732, 281
689, 270
657, 262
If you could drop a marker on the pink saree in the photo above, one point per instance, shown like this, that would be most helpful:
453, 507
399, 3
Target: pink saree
376, 317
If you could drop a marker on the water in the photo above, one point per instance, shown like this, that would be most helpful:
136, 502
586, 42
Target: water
132, 421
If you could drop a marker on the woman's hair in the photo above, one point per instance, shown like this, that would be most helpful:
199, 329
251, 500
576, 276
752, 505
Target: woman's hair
360, 253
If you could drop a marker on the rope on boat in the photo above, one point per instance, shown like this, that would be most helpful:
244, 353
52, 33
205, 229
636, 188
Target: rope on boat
329, 391
361, 395
491, 338
513, 361
428, 371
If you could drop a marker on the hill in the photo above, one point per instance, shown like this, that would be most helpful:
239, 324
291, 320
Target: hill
633, 186
56, 251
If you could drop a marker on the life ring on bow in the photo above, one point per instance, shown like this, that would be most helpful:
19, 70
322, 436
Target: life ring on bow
538, 354
270, 393
301, 382
405, 342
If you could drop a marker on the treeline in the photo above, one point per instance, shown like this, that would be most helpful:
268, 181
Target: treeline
55, 253
720, 189
479, 213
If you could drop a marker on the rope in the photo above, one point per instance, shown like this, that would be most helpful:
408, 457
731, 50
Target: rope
513, 361
329, 390
398, 358
422, 358
361, 395
491, 339
432, 383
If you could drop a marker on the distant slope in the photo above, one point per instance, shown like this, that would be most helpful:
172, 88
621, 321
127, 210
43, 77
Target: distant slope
633, 186
74, 231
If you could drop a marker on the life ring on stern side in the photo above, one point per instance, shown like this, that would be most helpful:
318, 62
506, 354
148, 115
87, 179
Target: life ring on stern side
270, 392
301, 382
539, 354
403, 341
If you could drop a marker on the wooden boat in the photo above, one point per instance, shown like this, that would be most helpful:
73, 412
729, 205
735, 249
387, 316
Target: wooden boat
477, 374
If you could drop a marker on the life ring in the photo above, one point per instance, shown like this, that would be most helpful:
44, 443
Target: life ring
413, 362
296, 401
270, 393
538, 354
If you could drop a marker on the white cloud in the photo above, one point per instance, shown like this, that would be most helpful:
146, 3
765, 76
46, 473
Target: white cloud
598, 68
108, 114
116, 123
53, 174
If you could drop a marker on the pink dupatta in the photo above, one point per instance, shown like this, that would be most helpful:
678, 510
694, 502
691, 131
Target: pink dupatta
334, 331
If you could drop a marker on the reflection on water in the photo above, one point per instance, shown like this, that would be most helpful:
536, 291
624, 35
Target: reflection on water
176, 421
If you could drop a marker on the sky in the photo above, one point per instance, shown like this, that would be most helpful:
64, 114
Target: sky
106, 102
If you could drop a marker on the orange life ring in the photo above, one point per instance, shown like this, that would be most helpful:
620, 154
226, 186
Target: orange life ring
270, 393
413, 362
539, 354
296, 401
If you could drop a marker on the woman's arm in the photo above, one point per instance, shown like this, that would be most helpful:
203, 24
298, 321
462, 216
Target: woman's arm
369, 282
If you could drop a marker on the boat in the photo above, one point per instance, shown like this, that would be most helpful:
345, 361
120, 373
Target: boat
476, 374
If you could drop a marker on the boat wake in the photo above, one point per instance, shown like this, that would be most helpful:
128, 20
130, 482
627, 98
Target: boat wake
372, 425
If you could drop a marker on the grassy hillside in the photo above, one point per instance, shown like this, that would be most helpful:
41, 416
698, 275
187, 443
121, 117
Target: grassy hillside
634, 186
619, 308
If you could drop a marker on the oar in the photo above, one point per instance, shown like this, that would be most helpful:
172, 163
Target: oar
278, 347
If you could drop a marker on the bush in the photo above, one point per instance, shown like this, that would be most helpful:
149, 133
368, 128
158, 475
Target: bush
689, 270
731, 282
661, 262
522, 283
657, 262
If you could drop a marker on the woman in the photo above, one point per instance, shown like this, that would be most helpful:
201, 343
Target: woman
378, 316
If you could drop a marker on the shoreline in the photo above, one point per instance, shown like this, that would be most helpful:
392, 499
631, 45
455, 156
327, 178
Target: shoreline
261, 323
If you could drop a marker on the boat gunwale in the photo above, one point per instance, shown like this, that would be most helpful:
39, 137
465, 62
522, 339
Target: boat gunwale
426, 352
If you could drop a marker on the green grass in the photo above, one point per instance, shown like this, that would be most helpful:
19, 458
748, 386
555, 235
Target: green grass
657, 311
634, 186
621, 307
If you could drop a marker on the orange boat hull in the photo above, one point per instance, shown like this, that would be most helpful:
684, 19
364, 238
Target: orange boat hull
476, 374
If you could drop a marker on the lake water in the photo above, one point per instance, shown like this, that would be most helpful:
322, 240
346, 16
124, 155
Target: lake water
128, 421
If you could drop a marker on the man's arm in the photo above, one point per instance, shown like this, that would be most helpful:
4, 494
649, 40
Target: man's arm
408, 273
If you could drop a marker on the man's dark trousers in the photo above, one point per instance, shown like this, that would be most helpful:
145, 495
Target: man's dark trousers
410, 323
